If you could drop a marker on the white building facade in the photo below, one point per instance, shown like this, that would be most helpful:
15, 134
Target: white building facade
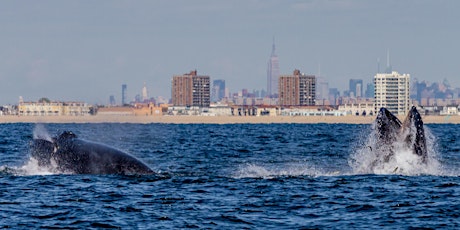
392, 92
53, 109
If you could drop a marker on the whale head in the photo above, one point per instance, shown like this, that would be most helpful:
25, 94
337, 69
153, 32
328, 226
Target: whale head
43, 150
388, 126
413, 125
389, 130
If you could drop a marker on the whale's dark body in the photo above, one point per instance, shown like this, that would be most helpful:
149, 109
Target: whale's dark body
70, 154
390, 129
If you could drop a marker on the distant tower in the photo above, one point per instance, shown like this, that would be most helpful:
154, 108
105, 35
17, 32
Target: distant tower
389, 68
124, 89
356, 87
322, 89
273, 73
145, 93
112, 100
333, 96
370, 90
218, 90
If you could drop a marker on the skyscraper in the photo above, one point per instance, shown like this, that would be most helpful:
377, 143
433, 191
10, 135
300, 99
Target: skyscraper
218, 90
333, 96
322, 88
389, 69
191, 90
145, 93
112, 100
356, 87
370, 90
273, 73
392, 92
124, 89
297, 89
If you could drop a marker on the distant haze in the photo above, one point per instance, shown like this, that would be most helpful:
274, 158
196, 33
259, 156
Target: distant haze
85, 50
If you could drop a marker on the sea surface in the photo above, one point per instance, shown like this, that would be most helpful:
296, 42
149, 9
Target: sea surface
235, 176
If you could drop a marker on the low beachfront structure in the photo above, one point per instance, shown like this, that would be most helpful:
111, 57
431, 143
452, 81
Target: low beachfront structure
224, 110
139, 109
185, 110
360, 109
450, 110
8, 110
115, 111
311, 111
48, 108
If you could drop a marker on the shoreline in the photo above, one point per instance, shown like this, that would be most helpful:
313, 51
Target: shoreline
214, 119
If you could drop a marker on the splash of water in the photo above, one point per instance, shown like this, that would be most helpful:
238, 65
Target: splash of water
395, 158
31, 166
270, 171
40, 132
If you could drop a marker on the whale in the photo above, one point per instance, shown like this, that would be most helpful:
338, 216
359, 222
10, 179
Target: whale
69, 154
389, 130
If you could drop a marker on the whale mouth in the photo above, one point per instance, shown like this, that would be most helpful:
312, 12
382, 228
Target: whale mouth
395, 147
390, 129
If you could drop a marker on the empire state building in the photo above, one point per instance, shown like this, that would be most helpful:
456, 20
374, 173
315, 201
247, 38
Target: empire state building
273, 73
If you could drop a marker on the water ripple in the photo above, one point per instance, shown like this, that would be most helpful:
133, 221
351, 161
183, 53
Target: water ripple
228, 176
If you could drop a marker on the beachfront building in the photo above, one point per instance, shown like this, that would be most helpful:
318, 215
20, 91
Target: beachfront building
138, 109
49, 108
392, 92
191, 90
311, 111
450, 110
297, 89
357, 109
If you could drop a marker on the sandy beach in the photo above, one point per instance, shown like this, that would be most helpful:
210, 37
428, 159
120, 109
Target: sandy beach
213, 119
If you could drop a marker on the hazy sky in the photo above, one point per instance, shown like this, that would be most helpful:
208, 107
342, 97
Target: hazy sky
85, 50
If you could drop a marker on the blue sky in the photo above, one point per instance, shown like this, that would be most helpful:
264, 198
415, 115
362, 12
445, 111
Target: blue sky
85, 50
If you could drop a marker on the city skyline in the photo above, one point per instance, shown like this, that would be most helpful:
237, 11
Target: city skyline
70, 51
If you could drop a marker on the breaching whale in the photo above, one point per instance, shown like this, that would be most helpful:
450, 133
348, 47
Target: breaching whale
67, 153
390, 129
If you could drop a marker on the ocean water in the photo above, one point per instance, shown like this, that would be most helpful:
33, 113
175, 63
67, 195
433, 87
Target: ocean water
235, 176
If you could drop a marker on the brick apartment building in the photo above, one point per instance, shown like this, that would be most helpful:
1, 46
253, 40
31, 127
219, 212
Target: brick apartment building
191, 90
297, 89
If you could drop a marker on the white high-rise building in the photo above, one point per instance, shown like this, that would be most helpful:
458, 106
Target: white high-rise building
145, 93
392, 92
359, 89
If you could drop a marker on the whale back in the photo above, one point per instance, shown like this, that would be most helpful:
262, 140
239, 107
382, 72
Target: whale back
75, 155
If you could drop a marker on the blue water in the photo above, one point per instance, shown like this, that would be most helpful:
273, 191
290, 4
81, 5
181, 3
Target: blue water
234, 176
